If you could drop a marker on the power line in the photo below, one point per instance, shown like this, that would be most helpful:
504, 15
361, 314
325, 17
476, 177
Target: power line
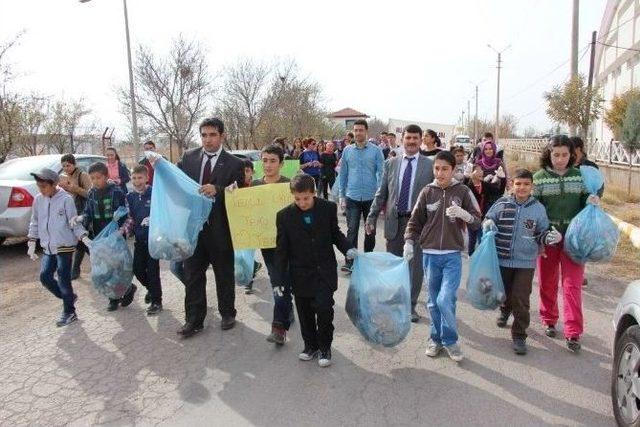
615, 28
619, 47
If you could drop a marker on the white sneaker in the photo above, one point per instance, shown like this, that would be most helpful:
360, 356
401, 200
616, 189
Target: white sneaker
454, 352
325, 359
433, 348
308, 355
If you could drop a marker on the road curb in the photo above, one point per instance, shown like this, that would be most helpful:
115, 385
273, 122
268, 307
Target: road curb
629, 230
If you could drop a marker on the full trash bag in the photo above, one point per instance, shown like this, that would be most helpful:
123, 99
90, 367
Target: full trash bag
243, 266
379, 298
178, 213
592, 236
485, 289
111, 260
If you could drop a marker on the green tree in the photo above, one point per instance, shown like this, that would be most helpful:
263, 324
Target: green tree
567, 104
631, 133
614, 116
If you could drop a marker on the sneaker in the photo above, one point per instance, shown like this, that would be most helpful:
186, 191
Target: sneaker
147, 298
154, 308
66, 318
550, 331
415, 318
519, 346
308, 354
585, 283
454, 352
248, 289
113, 305
325, 359
278, 336
501, 321
256, 267
573, 344
345, 268
128, 297
433, 348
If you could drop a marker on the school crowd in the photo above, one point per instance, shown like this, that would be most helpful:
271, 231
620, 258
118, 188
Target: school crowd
436, 204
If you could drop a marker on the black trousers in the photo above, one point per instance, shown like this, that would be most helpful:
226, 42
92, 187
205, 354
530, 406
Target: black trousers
147, 270
316, 320
78, 256
195, 269
328, 181
517, 286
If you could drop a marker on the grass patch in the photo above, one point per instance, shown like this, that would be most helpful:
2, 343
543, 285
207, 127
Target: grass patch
617, 196
626, 263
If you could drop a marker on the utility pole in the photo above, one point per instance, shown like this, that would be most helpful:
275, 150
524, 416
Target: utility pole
468, 117
590, 80
495, 135
475, 120
574, 48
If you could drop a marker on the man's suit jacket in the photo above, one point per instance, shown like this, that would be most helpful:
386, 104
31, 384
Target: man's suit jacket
308, 251
389, 191
228, 169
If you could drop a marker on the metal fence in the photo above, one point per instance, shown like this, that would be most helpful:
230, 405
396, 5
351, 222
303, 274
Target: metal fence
612, 152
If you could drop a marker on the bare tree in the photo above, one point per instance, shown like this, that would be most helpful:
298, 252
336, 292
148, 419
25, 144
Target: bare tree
171, 91
35, 110
63, 122
10, 102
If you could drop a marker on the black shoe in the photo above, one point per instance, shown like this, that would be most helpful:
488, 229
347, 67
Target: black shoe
415, 318
113, 305
324, 360
189, 330
346, 268
585, 283
308, 354
75, 275
147, 298
154, 308
501, 321
127, 299
227, 323
573, 344
550, 331
66, 318
519, 346
248, 289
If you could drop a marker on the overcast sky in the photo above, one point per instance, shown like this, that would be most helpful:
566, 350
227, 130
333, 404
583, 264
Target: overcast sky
401, 59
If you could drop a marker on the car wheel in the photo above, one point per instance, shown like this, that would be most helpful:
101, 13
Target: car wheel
2, 239
625, 384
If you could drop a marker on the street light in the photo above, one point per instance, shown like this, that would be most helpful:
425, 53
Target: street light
495, 137
134, 120
475, 120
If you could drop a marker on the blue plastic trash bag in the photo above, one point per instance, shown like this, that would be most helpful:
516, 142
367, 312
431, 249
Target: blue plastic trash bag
111, 260
485, 289
178, 213
592, 236
243, 266
379, 298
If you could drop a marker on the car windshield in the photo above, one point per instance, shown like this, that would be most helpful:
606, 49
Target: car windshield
21, 169
462, 140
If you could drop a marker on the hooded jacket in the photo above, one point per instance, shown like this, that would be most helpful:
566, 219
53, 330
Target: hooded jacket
50, 223
429, 222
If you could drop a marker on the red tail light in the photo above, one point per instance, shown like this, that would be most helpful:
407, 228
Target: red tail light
20, 198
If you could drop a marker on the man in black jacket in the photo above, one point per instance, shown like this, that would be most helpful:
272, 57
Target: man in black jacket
306, 232
215, 169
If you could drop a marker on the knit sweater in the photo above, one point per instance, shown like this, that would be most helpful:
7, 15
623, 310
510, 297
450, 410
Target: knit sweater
563, 196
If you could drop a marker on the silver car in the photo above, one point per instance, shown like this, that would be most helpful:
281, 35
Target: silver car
18, 189
625, 382
253, 155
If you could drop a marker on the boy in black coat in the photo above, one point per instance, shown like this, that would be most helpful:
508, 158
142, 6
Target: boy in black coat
306, 232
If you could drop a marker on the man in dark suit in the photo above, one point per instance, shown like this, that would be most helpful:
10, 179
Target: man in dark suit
215, 169
402, 180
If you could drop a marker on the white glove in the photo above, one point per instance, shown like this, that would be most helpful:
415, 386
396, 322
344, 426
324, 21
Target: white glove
455, 211
231, 187
152, 156
343, 203
488, 178
553, 237
495, 179
500, 173
76, 220
31, 250
278, 291
145, 222
593, 200
489, 225
468, 169
87, 241
407, 250
352, 253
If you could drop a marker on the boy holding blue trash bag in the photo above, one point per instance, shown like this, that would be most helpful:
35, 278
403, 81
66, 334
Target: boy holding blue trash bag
307, 230
438, 222
522, 228
103, 200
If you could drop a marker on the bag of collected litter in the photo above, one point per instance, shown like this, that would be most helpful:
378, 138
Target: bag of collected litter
485, 289
379, 298
592, 236
178, 213
243, 266
111, 260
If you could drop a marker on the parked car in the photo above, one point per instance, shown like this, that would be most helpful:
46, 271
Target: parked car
18, 189
625, 377
252, 155
464, 141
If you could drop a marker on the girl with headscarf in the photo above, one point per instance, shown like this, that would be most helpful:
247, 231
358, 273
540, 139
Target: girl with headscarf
493, 172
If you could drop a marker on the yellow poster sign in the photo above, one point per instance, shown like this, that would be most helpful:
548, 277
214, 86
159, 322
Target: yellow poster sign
252, 214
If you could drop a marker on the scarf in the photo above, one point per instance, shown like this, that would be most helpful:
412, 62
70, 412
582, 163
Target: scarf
489, 163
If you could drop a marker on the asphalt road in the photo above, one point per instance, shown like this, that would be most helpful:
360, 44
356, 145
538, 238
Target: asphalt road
124, 368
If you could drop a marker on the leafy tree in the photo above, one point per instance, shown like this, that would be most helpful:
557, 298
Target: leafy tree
615, 115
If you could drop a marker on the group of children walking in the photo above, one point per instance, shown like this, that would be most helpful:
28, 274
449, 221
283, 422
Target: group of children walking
530, 224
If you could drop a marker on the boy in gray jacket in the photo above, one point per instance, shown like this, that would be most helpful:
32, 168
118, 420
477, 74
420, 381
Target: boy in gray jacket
52, 209
523, 228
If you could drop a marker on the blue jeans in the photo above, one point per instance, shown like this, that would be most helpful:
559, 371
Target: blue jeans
177, 268
61, 288
355, 209
474, 237
282, 306
443, 273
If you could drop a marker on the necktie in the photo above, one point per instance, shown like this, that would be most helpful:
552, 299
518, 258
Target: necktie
403, 199
206, 173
